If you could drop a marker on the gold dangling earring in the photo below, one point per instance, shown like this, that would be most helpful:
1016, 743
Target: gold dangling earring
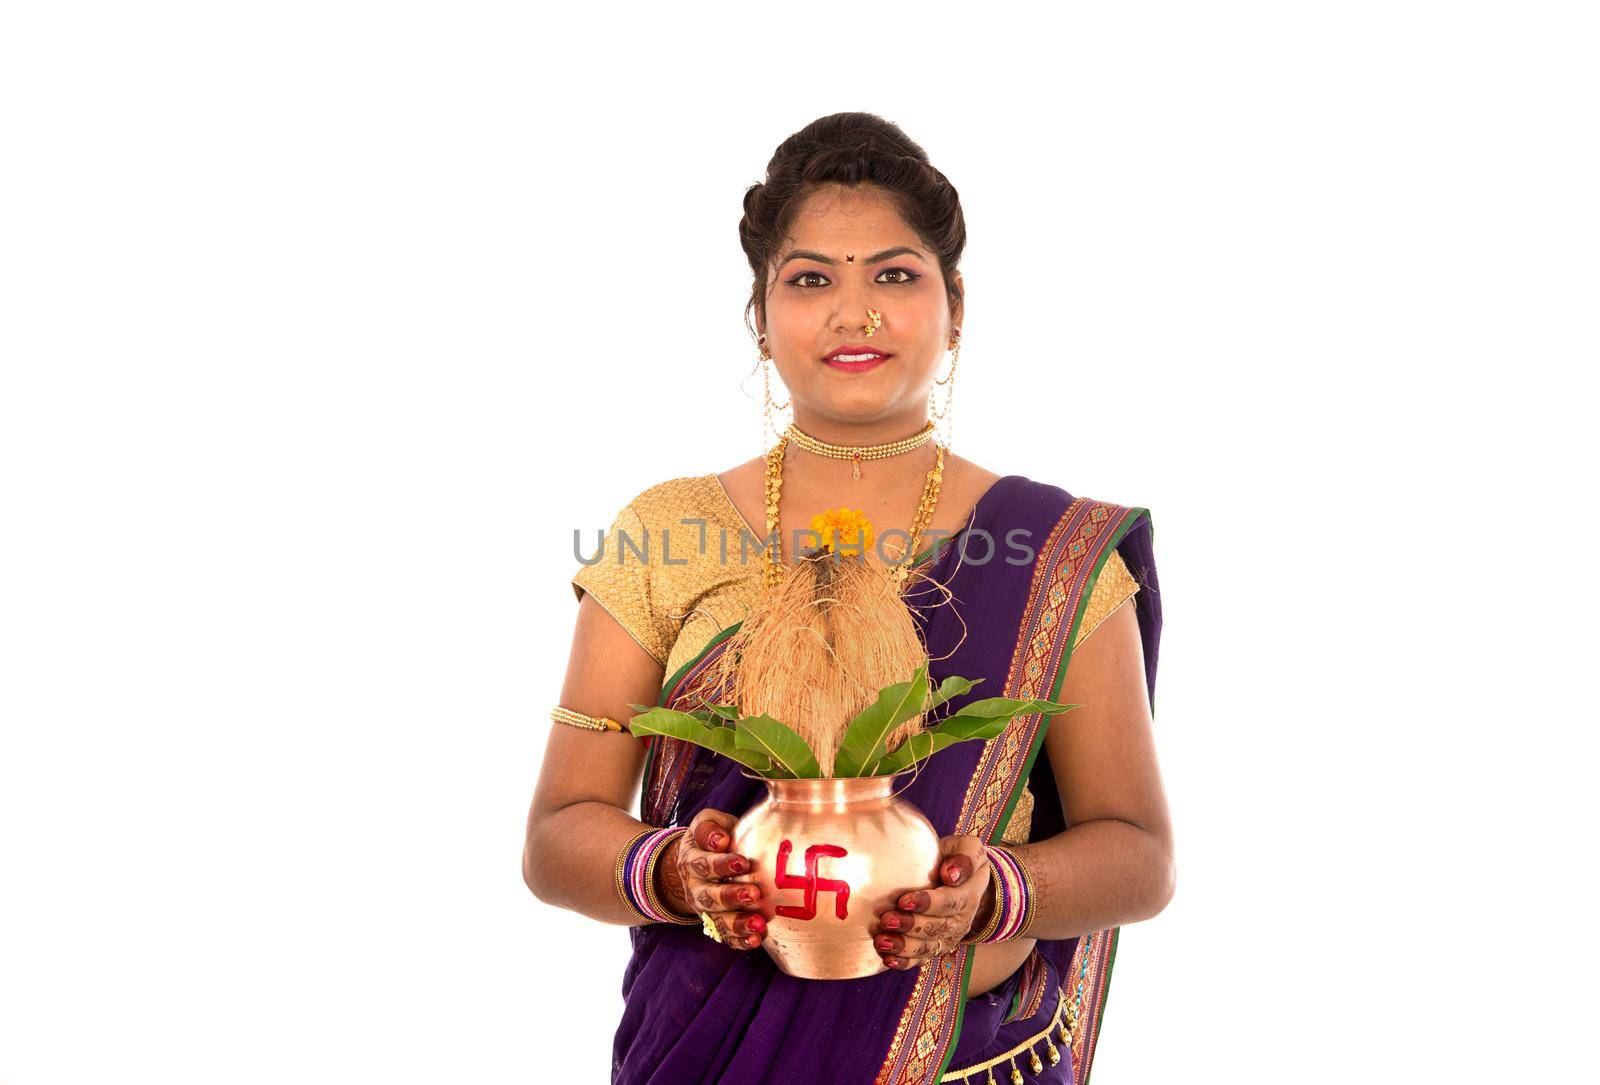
949, 383
768, 405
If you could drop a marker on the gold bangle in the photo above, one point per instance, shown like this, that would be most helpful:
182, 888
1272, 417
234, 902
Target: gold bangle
588, 723
622, 861
1031, 893
650, 884
994, 913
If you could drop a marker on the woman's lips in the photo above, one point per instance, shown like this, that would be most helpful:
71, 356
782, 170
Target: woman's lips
859, 366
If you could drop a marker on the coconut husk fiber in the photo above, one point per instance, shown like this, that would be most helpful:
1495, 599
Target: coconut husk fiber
818, 648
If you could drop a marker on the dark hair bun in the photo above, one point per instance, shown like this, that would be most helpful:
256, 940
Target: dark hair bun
850, 149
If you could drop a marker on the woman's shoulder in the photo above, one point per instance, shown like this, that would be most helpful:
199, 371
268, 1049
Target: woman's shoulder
1059, 497
1084, 517
666, 503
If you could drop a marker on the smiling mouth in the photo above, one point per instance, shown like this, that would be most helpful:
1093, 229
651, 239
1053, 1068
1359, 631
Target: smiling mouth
855, 357
854, 363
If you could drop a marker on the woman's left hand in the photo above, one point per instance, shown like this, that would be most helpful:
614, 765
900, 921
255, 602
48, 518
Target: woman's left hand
932, 921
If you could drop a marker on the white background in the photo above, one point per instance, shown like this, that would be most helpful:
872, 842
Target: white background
323, 325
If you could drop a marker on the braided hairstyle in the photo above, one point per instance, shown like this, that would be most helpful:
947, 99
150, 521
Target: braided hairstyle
850, 149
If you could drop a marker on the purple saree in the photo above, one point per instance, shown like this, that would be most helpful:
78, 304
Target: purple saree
699, 1013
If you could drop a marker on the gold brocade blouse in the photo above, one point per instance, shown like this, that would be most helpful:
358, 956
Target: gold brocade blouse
679, 564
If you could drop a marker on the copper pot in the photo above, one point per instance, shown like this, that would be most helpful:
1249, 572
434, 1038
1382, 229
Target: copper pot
829, 856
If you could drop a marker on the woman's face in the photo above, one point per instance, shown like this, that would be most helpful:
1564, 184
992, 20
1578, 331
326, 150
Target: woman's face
817, 302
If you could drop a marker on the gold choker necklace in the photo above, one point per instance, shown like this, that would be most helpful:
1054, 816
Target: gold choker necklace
856, 453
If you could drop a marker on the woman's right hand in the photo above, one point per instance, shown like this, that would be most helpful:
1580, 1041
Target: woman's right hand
693, 873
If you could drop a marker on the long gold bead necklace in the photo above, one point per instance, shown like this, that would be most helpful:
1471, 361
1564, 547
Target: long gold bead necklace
774, 489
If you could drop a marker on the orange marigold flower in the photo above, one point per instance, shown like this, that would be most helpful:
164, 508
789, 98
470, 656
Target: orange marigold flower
844, 529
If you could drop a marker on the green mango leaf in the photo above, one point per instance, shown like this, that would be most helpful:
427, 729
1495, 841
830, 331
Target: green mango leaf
716, 715
1007, 708
980, 720
913, 749
867, 734
729, 712
686, 726
959, 728
948, 733
778, 743
951, 687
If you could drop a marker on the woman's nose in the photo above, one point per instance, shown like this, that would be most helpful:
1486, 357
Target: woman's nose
851, 315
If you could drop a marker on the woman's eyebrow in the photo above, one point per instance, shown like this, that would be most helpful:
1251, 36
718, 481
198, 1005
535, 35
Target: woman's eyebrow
807, 254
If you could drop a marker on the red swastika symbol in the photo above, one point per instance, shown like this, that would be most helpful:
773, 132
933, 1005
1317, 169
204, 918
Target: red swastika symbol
811, 883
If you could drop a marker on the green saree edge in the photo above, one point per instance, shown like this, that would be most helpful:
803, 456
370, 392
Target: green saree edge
1003, 822
677, 676
1129, 522
961, 1013
661, 698
1135, 517
1100, 1010
1016, 1005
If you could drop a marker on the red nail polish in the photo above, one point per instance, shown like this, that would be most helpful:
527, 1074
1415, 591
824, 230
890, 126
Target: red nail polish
716, 841
908, 903
747, 894
952, 874
885, 942
757, 923
891, 922
739, 865
752, 941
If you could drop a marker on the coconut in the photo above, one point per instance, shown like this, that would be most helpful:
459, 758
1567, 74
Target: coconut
819, 647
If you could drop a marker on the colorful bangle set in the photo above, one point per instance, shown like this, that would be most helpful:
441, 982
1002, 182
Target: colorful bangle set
636, 875
1013, 897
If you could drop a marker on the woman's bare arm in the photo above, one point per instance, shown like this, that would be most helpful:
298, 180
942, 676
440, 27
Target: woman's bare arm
1114, 863
580, 816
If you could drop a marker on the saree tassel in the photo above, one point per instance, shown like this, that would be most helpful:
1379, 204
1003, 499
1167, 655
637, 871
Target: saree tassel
1050, 1049
1035, 1063
1016, 1075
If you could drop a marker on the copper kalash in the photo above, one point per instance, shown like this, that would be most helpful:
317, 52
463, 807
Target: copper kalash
829, 854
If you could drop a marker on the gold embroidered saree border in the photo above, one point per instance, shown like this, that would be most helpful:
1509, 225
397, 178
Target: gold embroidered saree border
1062, 580
1031, 990
987, 1065
1091, 968
667, 760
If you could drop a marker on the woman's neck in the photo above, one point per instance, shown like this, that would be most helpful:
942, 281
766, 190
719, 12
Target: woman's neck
828, 482
877, 432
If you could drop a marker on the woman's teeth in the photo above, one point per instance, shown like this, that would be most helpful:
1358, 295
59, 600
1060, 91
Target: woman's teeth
854, 357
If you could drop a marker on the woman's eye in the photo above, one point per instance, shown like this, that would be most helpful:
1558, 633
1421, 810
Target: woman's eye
814, 279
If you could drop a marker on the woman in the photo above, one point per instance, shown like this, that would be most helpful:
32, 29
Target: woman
853, 241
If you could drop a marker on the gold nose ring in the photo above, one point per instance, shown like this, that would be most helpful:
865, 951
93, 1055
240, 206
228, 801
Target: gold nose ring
874, 318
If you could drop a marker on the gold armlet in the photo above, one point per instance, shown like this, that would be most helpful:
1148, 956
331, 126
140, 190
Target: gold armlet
588, 723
